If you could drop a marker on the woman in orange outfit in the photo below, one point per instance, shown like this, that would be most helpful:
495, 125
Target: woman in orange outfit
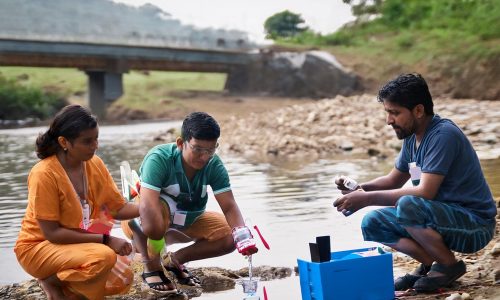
67, 188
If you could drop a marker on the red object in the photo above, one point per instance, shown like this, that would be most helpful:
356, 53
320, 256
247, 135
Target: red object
247, 247
135, 192
261, 237
244, 241
103, 224
265, 293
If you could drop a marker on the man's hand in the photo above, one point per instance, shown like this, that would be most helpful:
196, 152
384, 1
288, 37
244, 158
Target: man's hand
120, 246
244, 241
351, 203
345, 184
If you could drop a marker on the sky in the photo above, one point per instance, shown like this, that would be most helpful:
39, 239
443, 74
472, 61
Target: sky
323, 16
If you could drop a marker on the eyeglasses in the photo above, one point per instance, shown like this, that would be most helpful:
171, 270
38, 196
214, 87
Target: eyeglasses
202, 151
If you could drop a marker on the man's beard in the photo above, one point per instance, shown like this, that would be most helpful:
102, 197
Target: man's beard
402, 133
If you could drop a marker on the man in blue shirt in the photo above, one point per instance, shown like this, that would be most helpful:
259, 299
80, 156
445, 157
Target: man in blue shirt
449, 206
173, 196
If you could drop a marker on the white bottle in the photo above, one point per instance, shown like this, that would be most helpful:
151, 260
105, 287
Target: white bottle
350, 183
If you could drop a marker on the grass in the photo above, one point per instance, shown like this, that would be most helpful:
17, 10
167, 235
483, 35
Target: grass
65, 81
396, 51
142, 90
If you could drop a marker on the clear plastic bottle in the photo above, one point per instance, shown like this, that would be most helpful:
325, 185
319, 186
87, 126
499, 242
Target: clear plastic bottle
250, 288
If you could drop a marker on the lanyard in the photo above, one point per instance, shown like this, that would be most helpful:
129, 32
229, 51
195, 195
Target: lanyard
83, 202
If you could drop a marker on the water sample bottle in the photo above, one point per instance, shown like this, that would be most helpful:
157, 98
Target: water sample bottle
350, 183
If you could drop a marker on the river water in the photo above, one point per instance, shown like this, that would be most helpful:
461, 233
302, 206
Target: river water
290, 204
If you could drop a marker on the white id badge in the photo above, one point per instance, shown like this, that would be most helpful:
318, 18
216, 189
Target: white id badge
180, 218
415, 173
86, 216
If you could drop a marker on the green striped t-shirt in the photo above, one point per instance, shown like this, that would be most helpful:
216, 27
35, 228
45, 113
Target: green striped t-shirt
161, 170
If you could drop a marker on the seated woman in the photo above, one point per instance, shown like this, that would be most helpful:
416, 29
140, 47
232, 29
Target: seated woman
68, 188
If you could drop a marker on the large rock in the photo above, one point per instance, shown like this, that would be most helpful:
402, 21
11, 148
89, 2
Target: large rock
314, 74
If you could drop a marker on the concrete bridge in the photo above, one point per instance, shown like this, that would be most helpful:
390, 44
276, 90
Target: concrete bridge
105, 64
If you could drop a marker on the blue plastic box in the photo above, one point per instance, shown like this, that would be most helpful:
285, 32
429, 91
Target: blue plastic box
348, 276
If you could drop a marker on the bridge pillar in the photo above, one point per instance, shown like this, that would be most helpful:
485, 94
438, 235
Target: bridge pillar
104, 88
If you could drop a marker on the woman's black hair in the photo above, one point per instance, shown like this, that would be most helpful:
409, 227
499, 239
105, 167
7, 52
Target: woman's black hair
69, 122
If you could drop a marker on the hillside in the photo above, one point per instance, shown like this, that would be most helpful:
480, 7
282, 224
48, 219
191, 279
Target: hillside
104, 21
454, 44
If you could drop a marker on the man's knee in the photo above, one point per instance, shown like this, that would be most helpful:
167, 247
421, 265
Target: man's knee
380, 226
228, 245
155, 232
370, 220
407, 207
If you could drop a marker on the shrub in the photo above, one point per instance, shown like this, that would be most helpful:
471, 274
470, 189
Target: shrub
20, 102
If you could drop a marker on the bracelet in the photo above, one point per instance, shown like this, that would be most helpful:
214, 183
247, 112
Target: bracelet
105, 239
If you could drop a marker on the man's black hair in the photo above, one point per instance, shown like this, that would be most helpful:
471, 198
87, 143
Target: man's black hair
201, 126
408, 90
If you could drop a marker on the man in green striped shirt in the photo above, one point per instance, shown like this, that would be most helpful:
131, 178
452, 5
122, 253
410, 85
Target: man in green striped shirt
173, 197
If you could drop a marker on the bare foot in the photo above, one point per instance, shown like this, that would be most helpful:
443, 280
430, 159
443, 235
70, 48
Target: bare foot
52, 286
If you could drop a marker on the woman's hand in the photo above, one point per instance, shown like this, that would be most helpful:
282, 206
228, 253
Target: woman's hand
120, 246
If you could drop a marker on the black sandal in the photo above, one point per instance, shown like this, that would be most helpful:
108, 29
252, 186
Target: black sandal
433, 283
184, 276
407, 281
157, 286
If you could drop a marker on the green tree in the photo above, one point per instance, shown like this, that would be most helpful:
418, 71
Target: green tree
477, 17
20, 102
284, 24
364, 8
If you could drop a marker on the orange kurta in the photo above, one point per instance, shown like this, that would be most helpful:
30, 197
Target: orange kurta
83, 267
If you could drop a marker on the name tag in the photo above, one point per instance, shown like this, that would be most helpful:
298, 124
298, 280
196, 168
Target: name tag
86, 216
415, 173
180, 218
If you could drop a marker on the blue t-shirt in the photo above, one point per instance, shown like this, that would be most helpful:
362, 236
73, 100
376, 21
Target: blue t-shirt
445, 150
162, 170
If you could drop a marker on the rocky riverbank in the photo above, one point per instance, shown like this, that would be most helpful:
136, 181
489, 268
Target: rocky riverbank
212, 280
481, 282
348, 125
